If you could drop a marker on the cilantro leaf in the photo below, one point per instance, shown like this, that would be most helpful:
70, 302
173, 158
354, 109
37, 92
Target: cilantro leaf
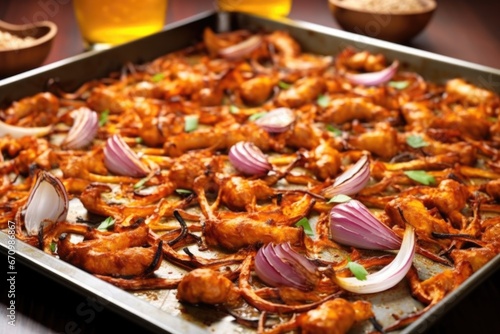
304, 222
399, 84
357, 270
103, 117
234, 109
323, 101
284, 85
339, 199
416, 141
158, 77
190, 123
420, 176
141, 182
183, 191
336, 131
106, 224
256, 116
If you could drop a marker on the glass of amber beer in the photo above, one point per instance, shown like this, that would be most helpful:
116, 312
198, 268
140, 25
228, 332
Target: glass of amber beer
105, 23
261, 7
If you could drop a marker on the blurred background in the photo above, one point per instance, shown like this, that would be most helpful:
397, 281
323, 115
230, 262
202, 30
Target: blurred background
461, 29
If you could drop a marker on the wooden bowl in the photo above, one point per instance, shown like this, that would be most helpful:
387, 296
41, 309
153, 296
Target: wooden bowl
19, 59
396, 26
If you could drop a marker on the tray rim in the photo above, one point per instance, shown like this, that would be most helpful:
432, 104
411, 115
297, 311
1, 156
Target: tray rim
153, 318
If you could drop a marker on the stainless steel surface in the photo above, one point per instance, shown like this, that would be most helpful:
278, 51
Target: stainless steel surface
159, 310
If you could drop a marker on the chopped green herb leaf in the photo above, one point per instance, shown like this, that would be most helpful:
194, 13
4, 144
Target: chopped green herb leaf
339, 199
284, 85
304, 222
323, 101
53, 247
141, 182
183, 191
158, 77
234, 109
106, 224
190, 123
399, 84
256, 116
337, 132
138, 140
416, 141
103, 117
420, 176
357, 270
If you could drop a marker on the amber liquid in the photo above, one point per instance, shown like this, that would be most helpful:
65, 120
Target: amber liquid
261, 7
114, 22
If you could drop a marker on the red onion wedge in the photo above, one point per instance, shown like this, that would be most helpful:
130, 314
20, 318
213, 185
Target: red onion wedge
47, 203
280, 265
388, 276
20, 131
277, 120
352, 224
120, 159
352, 180
84, 129
249, 159
241, 49
373, 78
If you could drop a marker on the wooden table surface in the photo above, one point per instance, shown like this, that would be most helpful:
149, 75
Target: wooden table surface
458, 29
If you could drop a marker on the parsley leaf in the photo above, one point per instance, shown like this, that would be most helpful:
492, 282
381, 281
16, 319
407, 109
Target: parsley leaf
53, 247
399, 84
339, 199
336, 131
357, 270
103, 117
190, 123
158, 77
256, 116
183, 191
416, 141
323, 101
304, 222
234, 109
106, 224
284, 85
420, 176
141, 182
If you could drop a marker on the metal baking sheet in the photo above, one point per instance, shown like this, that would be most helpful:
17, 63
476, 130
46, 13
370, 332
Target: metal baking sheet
160, 313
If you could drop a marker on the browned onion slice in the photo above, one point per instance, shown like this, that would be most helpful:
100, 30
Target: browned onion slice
388, 276
47, 203
249, 159
352, 180
373, 78
84, 129
277, 120
280, 265
241, 49
352, 224
121, 160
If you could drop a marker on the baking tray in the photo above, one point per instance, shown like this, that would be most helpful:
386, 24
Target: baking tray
72, 72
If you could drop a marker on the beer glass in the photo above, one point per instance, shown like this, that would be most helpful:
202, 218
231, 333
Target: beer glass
105, 23
261, 7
